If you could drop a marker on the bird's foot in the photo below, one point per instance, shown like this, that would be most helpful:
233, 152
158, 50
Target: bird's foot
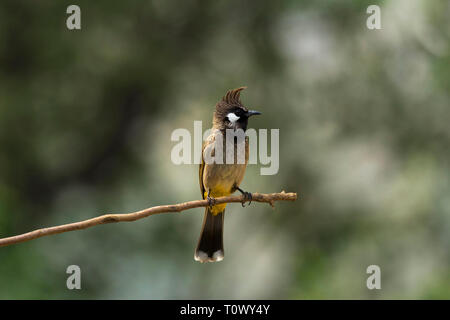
247, 197
211, 201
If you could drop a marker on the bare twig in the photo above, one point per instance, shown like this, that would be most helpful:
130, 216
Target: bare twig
109, 218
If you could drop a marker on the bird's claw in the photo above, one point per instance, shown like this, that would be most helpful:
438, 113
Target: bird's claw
211, 201
247, 197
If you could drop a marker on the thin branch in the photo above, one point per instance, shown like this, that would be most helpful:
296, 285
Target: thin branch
110, 218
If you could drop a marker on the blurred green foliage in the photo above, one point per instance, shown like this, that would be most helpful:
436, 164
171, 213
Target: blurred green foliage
85, 124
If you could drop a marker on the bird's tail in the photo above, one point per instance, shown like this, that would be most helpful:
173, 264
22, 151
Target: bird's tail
210, 244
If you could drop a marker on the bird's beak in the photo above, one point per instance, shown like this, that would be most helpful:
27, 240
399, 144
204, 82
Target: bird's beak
252, 113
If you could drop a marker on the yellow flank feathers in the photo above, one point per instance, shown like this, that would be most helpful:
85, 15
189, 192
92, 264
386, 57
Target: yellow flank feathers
215, 210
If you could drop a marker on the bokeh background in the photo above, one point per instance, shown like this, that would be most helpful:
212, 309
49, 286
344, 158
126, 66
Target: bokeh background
85, 124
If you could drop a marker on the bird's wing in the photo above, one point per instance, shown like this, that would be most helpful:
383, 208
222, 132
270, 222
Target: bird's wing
201, 169
200, 172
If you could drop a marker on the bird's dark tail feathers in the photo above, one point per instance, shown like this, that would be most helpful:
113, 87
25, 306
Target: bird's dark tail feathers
210, 244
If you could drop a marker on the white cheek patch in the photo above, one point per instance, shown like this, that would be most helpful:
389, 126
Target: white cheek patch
232, 117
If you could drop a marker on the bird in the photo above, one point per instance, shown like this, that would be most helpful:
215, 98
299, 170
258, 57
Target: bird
220, 178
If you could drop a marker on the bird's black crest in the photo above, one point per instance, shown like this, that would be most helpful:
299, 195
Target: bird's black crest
233, 96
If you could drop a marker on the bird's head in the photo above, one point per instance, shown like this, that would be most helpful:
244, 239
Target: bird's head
230, 112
